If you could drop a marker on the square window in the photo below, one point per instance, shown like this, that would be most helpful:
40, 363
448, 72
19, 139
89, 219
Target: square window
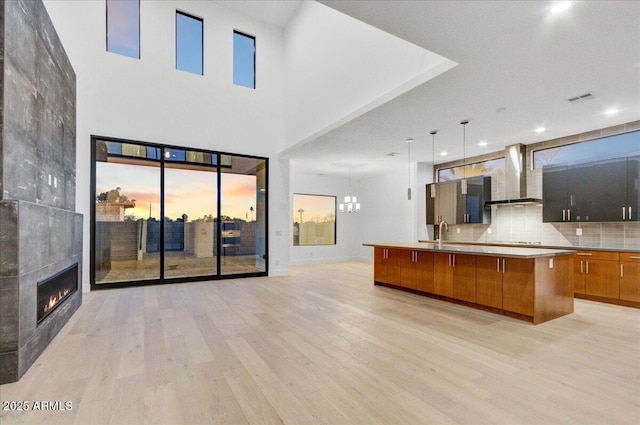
314, 219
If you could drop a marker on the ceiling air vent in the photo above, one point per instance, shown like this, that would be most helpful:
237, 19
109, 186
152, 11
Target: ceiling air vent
392, 154
581, 98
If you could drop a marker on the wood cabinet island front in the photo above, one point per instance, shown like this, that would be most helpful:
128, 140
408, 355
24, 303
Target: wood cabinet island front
531, 284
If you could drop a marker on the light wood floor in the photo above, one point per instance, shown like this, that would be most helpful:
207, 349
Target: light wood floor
325, 346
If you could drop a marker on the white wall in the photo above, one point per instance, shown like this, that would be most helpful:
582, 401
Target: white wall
347, 225
387, 215
338, 68
149, 100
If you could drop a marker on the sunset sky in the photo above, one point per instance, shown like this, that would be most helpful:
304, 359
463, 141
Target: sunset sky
315, 207
186, 191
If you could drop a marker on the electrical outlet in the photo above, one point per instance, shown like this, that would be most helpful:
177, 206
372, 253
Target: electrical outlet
457, 230
550, 263
578, 232
489, 231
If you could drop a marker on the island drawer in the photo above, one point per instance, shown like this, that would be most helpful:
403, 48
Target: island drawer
598, 255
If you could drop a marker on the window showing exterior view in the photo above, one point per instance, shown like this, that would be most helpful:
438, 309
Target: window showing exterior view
627, 144
314, 219
243, 194
244, 60
123, 27
165, 213
189, 43
493, 167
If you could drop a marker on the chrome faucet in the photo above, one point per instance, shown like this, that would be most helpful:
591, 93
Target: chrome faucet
440, 235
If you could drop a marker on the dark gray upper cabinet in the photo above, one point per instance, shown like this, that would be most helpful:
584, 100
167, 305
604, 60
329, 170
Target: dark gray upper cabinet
441, 202
445, 201
593, 192
555, 194
470, 206
633, 188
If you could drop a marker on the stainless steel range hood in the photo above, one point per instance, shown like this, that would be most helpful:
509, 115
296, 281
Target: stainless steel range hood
515, 178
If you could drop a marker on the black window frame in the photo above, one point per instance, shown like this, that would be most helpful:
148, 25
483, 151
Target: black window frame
255, 49
162, 279
188, 15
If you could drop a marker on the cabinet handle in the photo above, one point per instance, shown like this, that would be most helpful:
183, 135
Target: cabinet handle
581, 268
563, 215
454, 260
587, 267
498, 265
449, 260
503, 265
568, 215
621, 270
634, 257
624, 217
629, 213
586, 254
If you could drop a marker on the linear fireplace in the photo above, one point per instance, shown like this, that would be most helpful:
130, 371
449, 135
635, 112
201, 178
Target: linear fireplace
53, 290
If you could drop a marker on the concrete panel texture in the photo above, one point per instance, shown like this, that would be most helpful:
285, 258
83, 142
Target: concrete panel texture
40, 232
39, 110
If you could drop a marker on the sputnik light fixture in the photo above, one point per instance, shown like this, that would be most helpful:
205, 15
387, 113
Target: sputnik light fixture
409, 141
350, 204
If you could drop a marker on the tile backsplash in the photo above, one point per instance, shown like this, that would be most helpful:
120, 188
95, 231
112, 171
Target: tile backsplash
523, 223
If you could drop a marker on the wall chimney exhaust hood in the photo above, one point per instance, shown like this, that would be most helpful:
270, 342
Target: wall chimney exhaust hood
515, 178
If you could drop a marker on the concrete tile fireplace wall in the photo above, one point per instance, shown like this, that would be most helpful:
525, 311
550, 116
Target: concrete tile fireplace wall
40, 232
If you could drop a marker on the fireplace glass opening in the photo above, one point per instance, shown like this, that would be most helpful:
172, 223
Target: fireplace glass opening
55, 289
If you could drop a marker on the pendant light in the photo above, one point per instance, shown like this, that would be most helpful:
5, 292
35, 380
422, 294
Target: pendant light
463, 184
409, 141
350, 204
433, 146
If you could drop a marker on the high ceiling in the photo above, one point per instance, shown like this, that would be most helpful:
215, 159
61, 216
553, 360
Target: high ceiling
518, 66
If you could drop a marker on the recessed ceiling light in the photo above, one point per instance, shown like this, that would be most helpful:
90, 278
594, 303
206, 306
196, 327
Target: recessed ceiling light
561, 7
409, 140
540, 130
611, 111
443, 153
482, 144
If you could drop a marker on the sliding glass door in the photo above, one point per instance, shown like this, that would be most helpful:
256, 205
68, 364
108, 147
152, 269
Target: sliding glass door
174, 214
127, 212
243, 194
190, 213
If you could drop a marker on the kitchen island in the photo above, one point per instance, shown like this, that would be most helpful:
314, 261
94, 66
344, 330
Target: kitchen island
532, 284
